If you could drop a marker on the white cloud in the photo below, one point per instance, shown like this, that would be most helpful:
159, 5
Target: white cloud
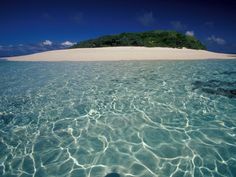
47, 43
189, 33
147, 19
216, 40
67, 43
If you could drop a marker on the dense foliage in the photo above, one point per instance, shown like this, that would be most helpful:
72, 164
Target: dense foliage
148, 39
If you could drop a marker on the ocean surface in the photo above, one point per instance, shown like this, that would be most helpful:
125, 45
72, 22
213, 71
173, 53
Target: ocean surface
118, 119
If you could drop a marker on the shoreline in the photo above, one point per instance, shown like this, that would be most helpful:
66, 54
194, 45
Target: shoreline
122, 54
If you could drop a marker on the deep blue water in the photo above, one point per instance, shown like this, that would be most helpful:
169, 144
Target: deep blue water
118, 119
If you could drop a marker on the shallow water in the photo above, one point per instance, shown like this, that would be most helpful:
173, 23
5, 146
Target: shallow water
77, 119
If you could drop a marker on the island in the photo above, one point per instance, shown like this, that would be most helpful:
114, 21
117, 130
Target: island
155, 38
150, 45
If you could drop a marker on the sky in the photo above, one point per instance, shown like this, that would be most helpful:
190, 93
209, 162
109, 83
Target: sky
29, 26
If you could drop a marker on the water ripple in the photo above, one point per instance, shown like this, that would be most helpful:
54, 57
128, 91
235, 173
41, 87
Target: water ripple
118, 119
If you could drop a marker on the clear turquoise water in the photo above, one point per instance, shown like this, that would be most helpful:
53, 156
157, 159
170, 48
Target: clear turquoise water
175, 118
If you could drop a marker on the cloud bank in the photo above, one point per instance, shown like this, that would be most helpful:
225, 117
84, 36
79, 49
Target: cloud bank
23, 49
217, 40
47, 43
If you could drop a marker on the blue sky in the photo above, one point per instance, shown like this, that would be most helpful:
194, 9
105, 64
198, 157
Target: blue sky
29, 26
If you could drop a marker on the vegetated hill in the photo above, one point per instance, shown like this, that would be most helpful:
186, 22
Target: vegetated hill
148, 39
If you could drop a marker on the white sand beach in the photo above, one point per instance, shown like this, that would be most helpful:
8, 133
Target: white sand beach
122, 53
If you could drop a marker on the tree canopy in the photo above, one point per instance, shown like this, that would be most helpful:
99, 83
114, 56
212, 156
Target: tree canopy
148, 39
